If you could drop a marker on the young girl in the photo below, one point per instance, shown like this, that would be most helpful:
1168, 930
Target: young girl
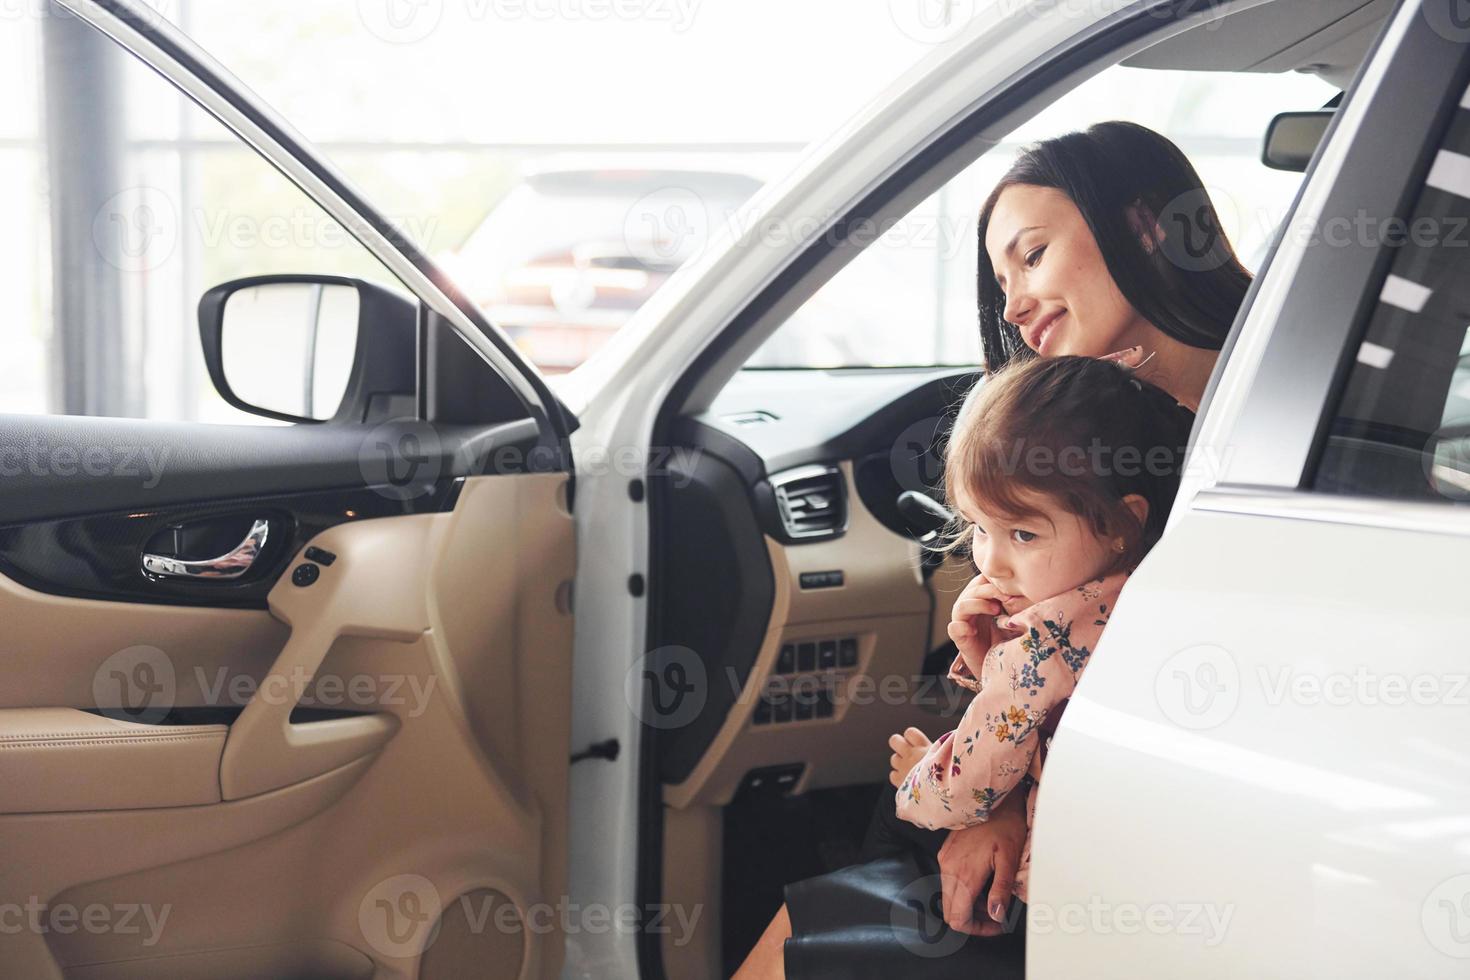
1061, 472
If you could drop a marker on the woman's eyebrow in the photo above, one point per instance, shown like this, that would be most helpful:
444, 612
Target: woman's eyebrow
1011, 247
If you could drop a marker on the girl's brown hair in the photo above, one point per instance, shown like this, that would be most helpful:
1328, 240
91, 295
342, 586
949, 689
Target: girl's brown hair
1081, 431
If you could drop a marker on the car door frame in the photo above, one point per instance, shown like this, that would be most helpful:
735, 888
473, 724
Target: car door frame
686, 342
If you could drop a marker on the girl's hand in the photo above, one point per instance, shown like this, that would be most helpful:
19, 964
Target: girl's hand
908, 749
972, 622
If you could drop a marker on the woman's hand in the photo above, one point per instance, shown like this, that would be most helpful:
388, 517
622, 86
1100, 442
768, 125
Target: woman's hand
972, 622
969, 856
908, 749
1129, 357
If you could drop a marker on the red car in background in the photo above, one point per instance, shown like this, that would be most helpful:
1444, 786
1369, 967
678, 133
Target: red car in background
569, 254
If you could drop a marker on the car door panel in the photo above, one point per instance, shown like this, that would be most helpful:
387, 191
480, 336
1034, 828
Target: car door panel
460, 784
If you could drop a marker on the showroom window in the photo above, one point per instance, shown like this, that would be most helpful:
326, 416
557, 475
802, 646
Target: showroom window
125, 203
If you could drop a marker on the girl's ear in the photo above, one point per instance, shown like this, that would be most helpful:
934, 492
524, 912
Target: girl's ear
1139, 506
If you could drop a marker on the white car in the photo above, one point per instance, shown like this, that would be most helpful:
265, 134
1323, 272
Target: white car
310, 699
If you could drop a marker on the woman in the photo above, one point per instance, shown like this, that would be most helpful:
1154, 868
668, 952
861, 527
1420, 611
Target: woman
1098, 243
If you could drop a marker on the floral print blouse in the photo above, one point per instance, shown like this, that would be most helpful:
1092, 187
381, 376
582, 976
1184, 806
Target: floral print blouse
1021, 687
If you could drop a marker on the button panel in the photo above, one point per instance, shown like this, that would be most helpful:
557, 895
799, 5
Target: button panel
803, 686
821, 580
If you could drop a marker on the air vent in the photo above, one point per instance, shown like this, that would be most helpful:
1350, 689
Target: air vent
812, 501
751, 418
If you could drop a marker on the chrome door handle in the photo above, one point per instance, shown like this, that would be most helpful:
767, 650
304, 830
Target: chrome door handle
231, 565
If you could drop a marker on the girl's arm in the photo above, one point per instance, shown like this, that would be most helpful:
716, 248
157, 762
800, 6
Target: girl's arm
968, 771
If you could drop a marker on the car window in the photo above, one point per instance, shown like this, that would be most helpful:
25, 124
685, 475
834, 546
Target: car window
909, 299
564, 259
1401, 428
125, 203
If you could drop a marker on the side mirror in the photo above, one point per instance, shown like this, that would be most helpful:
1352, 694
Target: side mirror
1293, 137
1446, 460
310, 348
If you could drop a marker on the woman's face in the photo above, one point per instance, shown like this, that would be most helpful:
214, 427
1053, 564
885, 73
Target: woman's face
1058, 290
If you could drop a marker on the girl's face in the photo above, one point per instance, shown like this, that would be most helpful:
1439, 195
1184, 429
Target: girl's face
1058, 289
1036, 557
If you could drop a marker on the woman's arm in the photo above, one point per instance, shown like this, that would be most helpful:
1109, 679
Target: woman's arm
969, 857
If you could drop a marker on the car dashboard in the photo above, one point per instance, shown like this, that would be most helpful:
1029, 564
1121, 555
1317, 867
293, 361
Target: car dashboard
795, 600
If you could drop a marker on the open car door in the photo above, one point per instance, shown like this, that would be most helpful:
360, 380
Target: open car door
283, 700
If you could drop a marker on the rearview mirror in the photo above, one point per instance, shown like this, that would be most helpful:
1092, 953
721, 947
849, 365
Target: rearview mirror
310, 348
1293, 137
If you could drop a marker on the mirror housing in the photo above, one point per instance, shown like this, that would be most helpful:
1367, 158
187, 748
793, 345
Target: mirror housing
1293, 137
375, 370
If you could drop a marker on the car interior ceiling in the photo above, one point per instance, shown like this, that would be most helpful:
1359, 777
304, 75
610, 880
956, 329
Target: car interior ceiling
795, 482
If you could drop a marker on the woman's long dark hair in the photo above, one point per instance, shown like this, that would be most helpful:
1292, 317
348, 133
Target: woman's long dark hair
1190, 285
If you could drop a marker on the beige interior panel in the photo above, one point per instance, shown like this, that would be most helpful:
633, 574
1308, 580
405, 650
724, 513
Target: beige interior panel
885, 604
692, 879
341, 874
54, 759
65, 652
